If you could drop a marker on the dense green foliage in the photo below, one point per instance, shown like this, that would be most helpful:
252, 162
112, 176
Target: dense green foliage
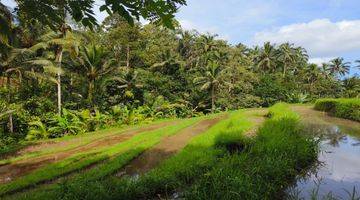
59, 78
259, 168
344, 108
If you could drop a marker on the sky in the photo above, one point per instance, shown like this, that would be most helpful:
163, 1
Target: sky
325, 28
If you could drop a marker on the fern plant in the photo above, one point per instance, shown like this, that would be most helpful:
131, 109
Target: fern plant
67, 124
37, 130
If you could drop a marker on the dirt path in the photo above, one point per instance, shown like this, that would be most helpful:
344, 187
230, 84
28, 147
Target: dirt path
257, 117
14, 170
166, 148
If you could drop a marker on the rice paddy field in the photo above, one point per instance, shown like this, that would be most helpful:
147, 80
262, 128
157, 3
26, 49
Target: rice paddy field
245, 154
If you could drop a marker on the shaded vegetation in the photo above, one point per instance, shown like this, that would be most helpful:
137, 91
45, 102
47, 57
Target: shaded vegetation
343, 108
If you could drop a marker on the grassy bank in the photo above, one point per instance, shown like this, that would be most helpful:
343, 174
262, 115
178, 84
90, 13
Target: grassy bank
343, 108
220, 164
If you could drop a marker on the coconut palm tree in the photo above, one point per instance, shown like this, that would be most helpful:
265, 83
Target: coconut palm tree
210, 81
324, 68
287, 55
60, 42
95, 63
312, 73
337, 66
266, 60
206, 47
358, 63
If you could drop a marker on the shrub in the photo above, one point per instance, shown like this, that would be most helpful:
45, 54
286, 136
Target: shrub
325, 104
67, 124
37, 130
344, 108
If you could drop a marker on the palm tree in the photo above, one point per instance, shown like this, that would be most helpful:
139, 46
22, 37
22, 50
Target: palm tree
59, 42
325, 69
338, 66
210, 81
128, 82
312, 72
96, 64
266, 60
6, 19
287, 55
206, 47
358, 63
61, 39
169, 62
11, 67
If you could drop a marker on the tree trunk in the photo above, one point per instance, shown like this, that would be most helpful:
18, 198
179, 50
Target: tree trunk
58, 60
128, 56
10, 124
284, 70
212, 99
90, 92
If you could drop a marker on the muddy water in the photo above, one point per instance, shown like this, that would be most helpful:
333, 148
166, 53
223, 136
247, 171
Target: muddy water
337, 172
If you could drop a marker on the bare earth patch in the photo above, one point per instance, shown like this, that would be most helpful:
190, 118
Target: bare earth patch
257, 117
166, 148
20, 168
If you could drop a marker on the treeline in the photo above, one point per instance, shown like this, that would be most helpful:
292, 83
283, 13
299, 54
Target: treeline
75, 80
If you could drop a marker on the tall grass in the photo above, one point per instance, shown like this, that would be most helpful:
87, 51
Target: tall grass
265, 169
344, 108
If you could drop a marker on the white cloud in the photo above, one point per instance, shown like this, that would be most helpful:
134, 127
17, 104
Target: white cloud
189, 25
320, 60
321, 37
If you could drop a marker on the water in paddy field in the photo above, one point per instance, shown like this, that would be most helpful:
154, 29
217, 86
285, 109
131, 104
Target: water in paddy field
337, 174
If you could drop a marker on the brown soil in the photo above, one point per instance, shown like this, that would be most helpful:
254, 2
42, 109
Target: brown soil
50, 144
257, 117
17, 169
166, 148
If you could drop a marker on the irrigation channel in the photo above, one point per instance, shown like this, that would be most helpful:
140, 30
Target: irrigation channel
336, 175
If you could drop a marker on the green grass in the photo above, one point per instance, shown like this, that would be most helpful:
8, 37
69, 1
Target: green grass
190, 163
265, 167
219, 164
188, 156
122, 152
343, 108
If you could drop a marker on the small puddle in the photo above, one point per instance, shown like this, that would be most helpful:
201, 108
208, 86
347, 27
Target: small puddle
336, 175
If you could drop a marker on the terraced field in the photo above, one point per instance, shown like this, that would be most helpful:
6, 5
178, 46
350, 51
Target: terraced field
252, 153
48, 162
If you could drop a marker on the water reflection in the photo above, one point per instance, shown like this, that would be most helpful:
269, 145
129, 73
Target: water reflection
337, 173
